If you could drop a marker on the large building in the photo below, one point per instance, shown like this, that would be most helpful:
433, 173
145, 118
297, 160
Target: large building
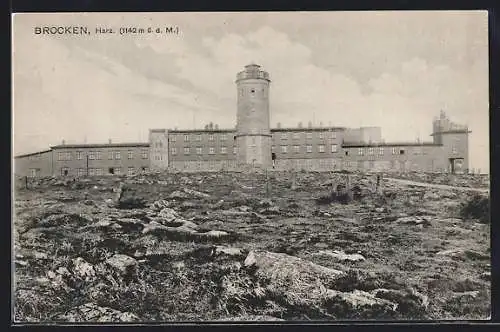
254, 144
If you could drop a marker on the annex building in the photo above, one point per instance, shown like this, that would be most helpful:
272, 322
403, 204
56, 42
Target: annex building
254, 144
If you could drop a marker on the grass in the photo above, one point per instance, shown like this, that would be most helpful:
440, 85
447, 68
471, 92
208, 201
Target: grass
181, 279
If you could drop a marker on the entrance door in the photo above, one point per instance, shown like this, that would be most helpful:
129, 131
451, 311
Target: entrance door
111, 170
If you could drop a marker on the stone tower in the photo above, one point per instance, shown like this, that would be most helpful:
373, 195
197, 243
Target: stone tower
253, 134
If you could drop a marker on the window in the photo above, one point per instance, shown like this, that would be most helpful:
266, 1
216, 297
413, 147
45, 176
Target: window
33, 172
198, 150
186, 150
321, 135
296, 148
223, 150
130, 171
211, 150
321, 148
401, 151
309, 148
272, 148
91, 155
174, 150
110, 155
252, 91
393, 150
98, 171
361, 151
334, 148
81, 172
173, 138
309, 135
296, 135
381, 151
64, 156
98, 155
118, 155
347, 153
284, 136
371, 151
283, 148
198, 137
79, 155
91, 172
144, 153
211, 137
223, 137
333, 134
235, 149
130, 155
145, 169
118, 171
186, 138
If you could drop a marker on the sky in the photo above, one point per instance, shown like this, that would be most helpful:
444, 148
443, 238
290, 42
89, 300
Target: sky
396, 70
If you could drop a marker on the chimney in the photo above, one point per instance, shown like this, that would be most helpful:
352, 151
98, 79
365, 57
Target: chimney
211, 125
300, 125
216, 127
206, 127
278, 125
63, 142
109, 141
309, 124
320, 124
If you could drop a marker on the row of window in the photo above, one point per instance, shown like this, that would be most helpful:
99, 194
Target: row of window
97, 155
199, 150
65, 171
223, 137
381, 151
198, 137
309, 148
394, 150
309, 135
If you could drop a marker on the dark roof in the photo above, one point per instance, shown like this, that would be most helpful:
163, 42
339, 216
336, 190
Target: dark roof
401, 144
32, 154
309, 129
455, 131
106, 145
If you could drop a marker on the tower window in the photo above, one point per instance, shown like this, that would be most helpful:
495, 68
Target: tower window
252, 91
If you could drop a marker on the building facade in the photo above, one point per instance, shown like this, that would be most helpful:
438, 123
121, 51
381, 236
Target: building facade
254, 144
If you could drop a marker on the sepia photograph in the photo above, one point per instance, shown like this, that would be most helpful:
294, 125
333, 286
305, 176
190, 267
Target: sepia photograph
250, 167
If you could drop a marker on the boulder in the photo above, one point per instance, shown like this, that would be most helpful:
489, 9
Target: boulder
340, 255
230, 251
196, 193
83, 269
123, 264
298, 281
168, 214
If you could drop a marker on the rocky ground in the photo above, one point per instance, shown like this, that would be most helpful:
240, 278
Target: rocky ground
235, 246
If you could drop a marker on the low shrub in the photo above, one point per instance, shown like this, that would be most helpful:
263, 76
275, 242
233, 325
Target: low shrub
477, 207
